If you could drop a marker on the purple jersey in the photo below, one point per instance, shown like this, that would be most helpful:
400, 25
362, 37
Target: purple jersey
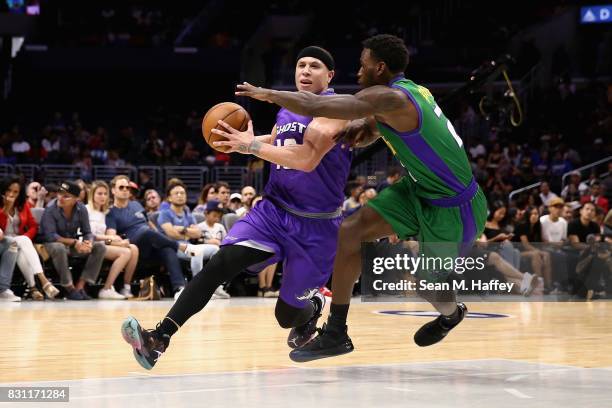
321, 190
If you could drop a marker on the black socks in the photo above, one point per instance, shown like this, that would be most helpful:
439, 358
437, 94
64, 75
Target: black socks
337, 317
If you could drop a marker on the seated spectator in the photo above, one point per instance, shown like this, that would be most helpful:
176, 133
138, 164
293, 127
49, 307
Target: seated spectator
51, 195
545, 194
213, 231
152, 201
128, 219
575, 188
178, 223
579, 229
247, 193
134, 191
495, 231
8, 258
554, 228
528, 232
118, 250
223, 196
364, 197
19, 226
596, 197
84, 189
209, 193
393, 176
20, 148
35, 194
354, 190
66, 230
235, 202
568, 212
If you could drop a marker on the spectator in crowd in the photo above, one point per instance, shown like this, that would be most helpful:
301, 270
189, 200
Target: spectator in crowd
8, 258
554, 228
354, 190
134, 191
19, 226
223, 196
118, 250
579, 229
21, 148
209, 193
364, 197
568, 212
596, 197
529, 232
575, 188
178, 224
495, 231
545, 194
393, 176
127, 218
66, 230
607, 183
213, 231
247, 193
235, 202
36, 194
152, 201
84, 189
52, 190
145, 180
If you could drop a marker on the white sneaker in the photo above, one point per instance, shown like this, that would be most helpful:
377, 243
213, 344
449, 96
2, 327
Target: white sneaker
194, 250
220, 293
110, 294
9, 296
126, 292
178, 293
528, 284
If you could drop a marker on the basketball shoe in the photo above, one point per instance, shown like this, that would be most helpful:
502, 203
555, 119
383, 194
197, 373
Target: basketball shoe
329, 343
298, 336
434, 331
148, 345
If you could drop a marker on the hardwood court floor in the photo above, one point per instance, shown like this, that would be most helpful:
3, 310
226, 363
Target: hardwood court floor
81, 340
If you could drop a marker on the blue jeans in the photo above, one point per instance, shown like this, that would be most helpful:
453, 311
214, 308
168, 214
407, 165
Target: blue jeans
153, 244
8, 258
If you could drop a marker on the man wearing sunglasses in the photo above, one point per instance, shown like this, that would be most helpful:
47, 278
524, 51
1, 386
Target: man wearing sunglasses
127, 218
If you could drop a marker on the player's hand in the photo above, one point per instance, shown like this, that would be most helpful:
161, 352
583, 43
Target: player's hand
237, 141
255, 92
354, 133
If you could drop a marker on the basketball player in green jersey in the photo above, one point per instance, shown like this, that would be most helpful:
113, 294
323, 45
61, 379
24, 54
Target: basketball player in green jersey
437, 202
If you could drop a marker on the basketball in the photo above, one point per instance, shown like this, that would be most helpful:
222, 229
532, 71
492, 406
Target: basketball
231, 113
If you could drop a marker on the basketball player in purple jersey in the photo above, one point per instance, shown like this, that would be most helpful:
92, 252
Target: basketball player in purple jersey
297, 221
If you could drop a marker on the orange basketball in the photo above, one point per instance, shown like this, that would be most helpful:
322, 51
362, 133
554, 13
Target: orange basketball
229, 112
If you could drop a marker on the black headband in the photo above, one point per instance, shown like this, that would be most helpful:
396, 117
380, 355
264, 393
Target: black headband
318, 53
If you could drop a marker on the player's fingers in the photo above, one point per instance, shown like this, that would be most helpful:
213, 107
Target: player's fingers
222, 143
220, 132
227, 126
250, 126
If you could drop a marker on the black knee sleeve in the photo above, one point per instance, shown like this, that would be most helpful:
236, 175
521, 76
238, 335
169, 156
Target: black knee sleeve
289, 316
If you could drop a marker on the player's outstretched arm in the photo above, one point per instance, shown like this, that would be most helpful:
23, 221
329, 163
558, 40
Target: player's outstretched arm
368, 102
318, 140
359, 132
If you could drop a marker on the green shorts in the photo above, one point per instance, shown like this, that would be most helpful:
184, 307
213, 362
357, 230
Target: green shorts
442, 232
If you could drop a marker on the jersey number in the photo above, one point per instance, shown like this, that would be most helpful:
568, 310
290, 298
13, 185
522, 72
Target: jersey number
449, 125
288, 142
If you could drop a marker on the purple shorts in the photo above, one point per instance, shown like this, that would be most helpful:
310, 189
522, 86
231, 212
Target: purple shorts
306, 247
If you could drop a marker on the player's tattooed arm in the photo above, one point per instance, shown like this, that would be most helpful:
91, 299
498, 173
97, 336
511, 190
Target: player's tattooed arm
359, 132
375, 100
318, 140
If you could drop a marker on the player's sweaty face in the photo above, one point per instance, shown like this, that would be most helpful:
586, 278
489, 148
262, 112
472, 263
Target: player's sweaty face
311, 75
366, 76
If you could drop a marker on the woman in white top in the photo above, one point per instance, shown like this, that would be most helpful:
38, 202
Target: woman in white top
123, 254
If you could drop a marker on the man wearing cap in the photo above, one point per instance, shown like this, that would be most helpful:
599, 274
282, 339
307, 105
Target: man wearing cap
235, 202
554, 228
246, 194
66, 231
